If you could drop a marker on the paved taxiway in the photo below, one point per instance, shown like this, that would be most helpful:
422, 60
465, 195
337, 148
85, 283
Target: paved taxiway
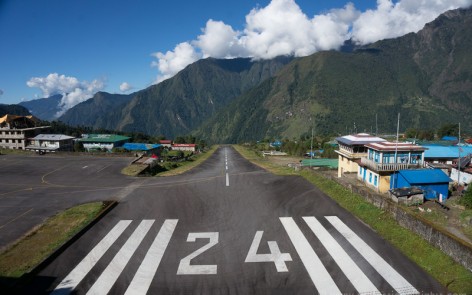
227, 227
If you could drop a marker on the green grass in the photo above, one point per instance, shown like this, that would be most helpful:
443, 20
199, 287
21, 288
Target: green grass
440, 266
186, 166
28, 252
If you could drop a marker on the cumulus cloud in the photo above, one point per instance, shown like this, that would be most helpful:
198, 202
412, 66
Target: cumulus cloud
72, 90
282, 28
171, 62
390, 20
125, 86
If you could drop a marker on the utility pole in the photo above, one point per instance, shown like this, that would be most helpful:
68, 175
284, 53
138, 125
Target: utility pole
459, 159
311, 151
396, 149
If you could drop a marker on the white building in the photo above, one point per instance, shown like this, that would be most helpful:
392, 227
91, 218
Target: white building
16, 130
51, 143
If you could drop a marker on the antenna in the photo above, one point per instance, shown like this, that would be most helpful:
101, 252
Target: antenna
396, 147
459, 159
376, 127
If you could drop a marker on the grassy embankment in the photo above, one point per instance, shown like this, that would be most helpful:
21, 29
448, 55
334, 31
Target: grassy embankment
29, 251
172, 168
440, 266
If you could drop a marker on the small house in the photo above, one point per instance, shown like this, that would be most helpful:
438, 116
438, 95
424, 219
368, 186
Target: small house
434, 182
51, 143
184, 147
102, 141
351, 150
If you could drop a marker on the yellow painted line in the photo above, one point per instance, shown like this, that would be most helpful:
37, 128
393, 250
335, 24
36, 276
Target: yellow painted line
43, 178
19, 216
2, 195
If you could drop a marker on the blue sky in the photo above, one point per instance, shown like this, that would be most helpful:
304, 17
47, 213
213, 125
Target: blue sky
48, 46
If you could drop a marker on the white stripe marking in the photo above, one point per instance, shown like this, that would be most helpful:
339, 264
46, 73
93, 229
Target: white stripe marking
318, 273
355, 275
227, 179
395, 280
143, 277
80, 271
116, 266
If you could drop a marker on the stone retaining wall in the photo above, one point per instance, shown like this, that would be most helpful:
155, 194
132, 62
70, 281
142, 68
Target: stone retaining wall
459, 250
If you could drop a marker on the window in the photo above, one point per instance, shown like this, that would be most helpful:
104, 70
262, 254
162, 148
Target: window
370, 177
375, 180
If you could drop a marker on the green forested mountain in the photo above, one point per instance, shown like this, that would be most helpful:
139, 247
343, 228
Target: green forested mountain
44, 108
181, 104
95, 111
13, 109
425, 76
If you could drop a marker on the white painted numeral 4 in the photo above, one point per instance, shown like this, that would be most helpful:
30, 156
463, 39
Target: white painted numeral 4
275, 256
186, 269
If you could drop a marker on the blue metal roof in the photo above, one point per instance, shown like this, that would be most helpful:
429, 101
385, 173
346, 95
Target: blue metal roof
140, 146
449, 138
423, 176
451, 152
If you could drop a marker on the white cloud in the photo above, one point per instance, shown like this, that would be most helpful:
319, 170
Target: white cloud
219, 40
72, 90
390, 20
172, 62
282, 28
125, 86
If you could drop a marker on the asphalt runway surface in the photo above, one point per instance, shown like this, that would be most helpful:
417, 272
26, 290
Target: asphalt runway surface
226, 227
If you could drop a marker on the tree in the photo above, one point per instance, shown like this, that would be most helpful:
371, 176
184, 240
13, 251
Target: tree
448, 130
466, 199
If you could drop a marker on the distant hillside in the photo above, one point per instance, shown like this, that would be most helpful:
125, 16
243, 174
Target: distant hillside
94, 111
181, 104
13, 109
44, 108
425, 76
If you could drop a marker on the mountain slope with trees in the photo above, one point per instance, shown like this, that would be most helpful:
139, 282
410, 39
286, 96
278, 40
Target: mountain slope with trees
179, 105
426, 77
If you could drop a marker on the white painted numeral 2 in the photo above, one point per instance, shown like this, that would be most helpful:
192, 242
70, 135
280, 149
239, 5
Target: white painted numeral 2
186, 269
275, 256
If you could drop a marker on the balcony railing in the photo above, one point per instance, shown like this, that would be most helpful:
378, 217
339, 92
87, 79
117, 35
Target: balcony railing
389, 166
12, 136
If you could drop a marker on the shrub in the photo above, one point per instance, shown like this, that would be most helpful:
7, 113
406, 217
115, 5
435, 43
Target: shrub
466, 199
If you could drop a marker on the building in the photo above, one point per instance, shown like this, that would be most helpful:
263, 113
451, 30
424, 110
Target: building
184, 147
433, 182
445, 154
351, 150
102, 141
16, 130
146, 148
51, 143
384, 158
166, 143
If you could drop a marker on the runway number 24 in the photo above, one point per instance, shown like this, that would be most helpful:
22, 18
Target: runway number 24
275, 256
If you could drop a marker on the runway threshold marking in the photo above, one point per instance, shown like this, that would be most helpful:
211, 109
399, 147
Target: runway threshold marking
323, 281
82, 269
147, 270
400, 284
108, 277
349, 267
315, 268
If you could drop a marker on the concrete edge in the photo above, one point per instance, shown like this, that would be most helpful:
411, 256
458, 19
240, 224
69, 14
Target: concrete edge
59, 250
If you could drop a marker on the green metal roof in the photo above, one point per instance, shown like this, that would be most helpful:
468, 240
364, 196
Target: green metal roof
104, 138
331, 163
